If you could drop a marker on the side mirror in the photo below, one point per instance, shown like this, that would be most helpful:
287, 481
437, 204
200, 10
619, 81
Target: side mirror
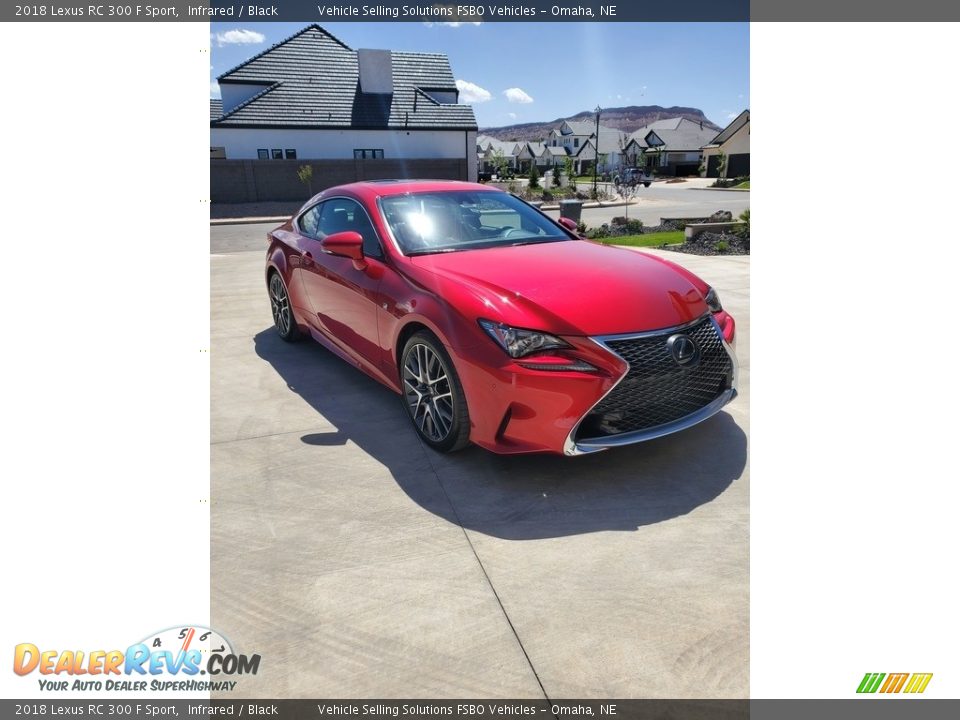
569, 225
345, 244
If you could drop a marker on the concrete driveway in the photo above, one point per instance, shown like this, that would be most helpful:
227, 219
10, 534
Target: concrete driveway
360, 564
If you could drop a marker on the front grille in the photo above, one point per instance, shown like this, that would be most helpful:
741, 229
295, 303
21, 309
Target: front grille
656, 390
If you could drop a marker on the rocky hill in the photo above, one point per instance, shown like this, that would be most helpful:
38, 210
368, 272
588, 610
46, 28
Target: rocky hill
627, 119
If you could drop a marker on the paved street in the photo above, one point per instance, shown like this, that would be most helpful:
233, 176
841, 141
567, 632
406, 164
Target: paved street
358, 563
669, 200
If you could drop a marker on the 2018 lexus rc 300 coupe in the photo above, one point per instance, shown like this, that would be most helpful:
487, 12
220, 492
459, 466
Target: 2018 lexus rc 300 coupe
498, 325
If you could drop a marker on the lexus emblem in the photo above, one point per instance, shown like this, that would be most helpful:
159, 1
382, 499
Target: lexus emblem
684, 350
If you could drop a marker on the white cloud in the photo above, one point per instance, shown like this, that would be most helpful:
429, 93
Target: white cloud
731, 116
239, 37
214, 89
516, 95
512, 116
470, 93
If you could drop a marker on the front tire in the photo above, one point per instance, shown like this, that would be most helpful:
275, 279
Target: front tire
433, 394
281, 310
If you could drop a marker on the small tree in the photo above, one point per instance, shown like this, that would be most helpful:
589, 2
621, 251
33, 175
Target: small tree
569, 170
533, 176
305, 173
499, 162
628, 191
556, 175
658, 155
722, 165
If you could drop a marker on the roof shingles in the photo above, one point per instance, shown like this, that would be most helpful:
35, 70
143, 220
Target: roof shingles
314, 82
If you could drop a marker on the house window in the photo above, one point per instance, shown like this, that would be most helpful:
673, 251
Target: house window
368, 154
277, 154
263, 154
576, 142
290, 154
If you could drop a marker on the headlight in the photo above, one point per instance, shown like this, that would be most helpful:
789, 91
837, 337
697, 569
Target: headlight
516, 342
713, 301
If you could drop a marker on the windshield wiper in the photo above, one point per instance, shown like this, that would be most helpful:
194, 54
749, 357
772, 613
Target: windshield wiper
435, 251
536, 241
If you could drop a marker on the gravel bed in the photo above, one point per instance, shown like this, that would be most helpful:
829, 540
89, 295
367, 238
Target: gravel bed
705, 244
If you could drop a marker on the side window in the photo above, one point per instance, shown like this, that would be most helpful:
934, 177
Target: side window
341, 214
308, 221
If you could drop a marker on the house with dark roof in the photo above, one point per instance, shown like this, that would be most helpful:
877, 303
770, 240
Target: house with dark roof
313, 97
670, 147
734, 142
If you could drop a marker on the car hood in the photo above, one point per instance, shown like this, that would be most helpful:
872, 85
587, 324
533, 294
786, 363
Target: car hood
574, 288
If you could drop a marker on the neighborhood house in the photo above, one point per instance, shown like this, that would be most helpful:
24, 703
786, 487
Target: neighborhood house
733, 142
310, 97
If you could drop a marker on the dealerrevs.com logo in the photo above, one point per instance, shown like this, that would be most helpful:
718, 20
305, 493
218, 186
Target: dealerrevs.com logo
182, 659
910, 683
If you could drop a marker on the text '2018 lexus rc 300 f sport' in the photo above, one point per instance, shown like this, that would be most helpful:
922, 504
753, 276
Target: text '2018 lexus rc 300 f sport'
498, 325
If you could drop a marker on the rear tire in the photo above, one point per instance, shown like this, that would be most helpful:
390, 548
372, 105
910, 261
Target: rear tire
433, 394
282, 312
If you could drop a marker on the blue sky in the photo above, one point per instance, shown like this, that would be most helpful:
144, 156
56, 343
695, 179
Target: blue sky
529, 72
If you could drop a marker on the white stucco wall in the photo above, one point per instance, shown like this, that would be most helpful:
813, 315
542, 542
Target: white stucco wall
467, 147
242, 144
739, 143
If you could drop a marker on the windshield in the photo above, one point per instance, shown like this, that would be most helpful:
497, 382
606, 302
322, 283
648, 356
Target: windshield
434, 222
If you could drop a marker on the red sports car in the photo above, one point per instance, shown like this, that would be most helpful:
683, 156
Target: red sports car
496, 324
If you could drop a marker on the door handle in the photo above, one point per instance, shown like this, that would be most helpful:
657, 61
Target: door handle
307, 259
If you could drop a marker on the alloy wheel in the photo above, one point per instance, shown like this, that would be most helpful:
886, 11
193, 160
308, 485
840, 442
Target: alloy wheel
280, 305
428, 393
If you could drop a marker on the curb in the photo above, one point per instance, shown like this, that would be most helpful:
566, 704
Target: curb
249, 220
722, 189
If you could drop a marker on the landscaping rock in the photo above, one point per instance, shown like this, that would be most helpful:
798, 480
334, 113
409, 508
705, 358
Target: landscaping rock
721, 216
708, 243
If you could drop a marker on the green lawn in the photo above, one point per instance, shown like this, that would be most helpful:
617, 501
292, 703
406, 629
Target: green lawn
745, 185
649, 240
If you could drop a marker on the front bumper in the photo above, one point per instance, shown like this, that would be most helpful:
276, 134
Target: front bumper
519, 410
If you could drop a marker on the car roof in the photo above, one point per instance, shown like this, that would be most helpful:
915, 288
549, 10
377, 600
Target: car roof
372, 189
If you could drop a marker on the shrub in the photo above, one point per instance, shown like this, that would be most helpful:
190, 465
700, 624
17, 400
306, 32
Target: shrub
721, 246
533, 176
582, 228
634, 227
305, 174
556, 176
745, 217
601, 232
